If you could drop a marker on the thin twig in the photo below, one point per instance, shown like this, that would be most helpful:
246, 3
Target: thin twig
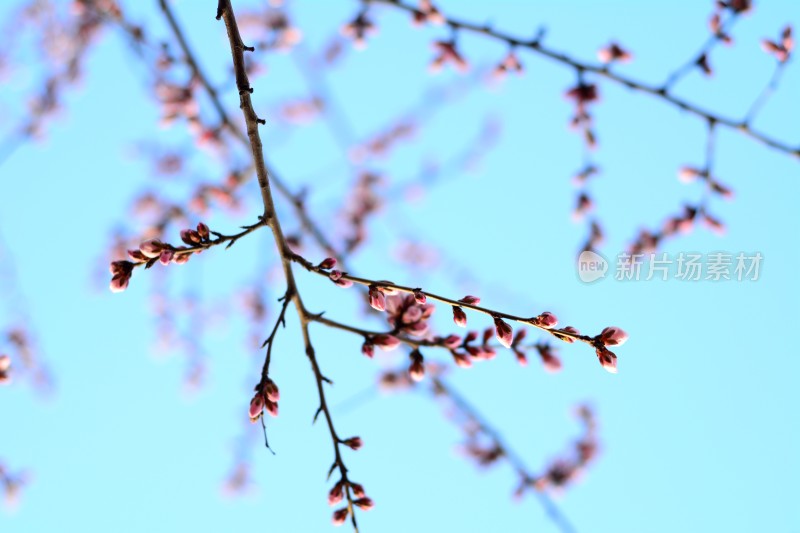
660, 92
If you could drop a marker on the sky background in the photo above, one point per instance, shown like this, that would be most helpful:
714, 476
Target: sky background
699, 429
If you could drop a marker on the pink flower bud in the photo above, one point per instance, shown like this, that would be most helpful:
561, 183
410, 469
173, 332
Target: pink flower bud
256, 406
190, 237
137, 256
452, 341
271, 391
119, 282
386, 342
376, 298
353, 442
419, 296
202, 230
545, 320
335, 275
417, 370
271, 407
364, 503
344, 283
358, 490
504, 332
566, 338
688, 174
181, 258
368, 349
121, 267
165, 257
470, 300
607, 359
339, 516
5, 375
152, 248
613, 336
336, 494
462, 360
327, 263
522, 359
459, 316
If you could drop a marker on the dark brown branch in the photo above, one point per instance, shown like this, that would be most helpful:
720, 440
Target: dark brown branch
660, 92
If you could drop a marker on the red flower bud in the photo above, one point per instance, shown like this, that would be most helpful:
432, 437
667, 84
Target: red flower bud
459, 317
364, 503
327, 263
504, 332
339, 516
419, 296
386, 342
613, 336
256, 406
353, 442
202, 230
336, 494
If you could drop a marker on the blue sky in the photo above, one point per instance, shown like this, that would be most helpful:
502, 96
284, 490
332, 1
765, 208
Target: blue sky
698, 429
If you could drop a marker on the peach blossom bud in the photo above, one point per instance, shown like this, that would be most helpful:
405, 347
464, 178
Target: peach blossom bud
504, 332
613, 336
522, 359
336, 494
519, 337
327, 263
412, 314
566, 338
151, 248
368, 349
452, 341
271, 391
165, 257
607, 359
335, 275
470, 300
137, 256
462, 360
190, 237
364, 503
119, 283
546, 320
417, 368
339, 516
688, 174
551, 362
256, 406
613, 52
419, 296
5, 376
353, 442
459, 316
121, 267
181, 258
722, 190
203, 231
344, 283
376, 298
386, 342
271, 407
358, 490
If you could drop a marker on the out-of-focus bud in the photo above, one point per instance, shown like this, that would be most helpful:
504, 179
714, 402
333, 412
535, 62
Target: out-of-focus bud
459, 316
